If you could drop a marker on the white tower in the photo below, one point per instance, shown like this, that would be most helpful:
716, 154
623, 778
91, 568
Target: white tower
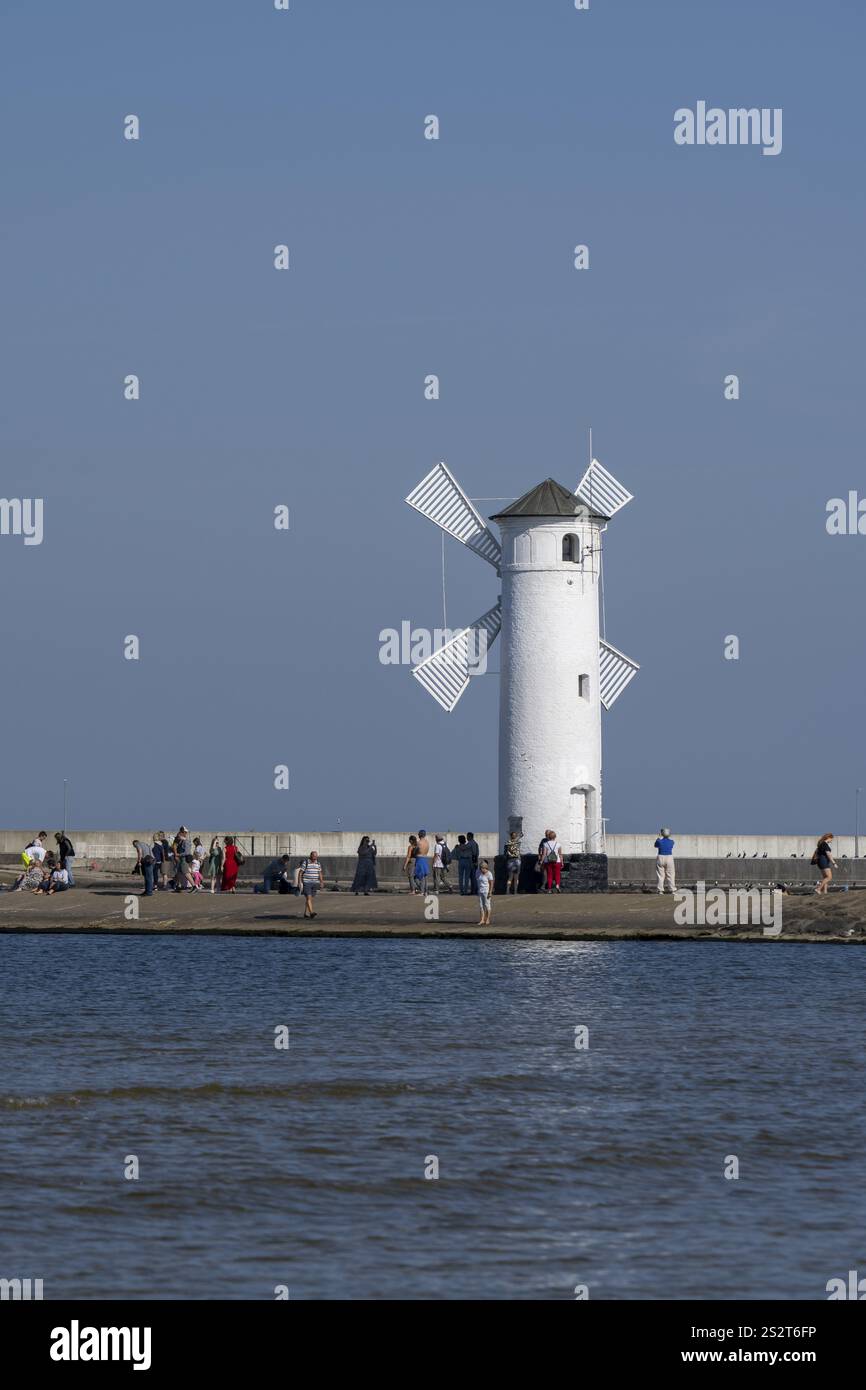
556, 671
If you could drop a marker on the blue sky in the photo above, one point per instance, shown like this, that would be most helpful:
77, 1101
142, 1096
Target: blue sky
306, 388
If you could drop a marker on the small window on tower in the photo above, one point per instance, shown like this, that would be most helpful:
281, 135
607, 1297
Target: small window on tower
583, 686
571, 550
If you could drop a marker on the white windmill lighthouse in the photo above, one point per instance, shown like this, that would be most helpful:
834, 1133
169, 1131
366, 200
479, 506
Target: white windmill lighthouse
556, 670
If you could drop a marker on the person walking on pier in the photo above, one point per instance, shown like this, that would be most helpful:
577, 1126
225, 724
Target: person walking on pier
312, 878
166, 868
422, 863
441, 860
823, 857
231, 863
144, 866
158, 853
665, 875
182, 857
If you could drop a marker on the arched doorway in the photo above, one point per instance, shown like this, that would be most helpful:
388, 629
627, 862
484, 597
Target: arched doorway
577, 820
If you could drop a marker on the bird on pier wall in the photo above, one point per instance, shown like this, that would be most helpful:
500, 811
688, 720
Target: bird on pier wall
557, 671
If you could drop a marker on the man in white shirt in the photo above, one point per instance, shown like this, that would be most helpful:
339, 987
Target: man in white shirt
441, 858
36, 849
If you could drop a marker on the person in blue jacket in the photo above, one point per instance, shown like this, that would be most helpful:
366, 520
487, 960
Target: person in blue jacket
664, 847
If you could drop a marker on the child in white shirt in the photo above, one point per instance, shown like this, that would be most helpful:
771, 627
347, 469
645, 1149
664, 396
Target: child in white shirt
484, 882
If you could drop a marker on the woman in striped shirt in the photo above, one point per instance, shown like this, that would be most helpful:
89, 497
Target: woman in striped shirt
312, 879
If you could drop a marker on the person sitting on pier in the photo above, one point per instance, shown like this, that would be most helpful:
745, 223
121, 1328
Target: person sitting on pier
57, 881
31, 878
47, 867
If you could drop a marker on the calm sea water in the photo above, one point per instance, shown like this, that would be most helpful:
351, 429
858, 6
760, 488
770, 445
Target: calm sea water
261, 1167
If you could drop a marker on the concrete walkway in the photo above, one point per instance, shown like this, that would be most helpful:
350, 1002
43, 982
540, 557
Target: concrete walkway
840, 917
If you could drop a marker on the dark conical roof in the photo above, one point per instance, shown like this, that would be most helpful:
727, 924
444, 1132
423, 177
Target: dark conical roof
549, 498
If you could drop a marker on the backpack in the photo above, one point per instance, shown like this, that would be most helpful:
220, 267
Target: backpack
446, 856
26, 860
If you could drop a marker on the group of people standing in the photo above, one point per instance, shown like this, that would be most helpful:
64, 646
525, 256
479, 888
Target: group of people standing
548, 863
183, 864
423, 861
473, 872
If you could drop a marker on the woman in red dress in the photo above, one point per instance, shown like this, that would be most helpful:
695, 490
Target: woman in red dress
230, 865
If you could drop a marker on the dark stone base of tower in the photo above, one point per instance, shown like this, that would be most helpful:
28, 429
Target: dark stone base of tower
581, 873
584, 873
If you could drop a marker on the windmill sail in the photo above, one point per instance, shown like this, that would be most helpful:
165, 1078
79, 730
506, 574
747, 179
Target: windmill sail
601, 492
445, 675
615, 672
441, 498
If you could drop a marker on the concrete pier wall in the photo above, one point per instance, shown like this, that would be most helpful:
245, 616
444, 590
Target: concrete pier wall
107, 845
762, 873
621, 846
